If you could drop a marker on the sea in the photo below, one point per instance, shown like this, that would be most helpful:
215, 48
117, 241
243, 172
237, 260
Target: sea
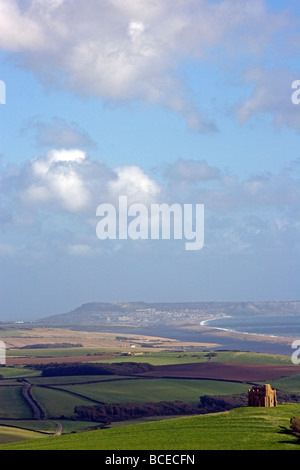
258, 326
287, 326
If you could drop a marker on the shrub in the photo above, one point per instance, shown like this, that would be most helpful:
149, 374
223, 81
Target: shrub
295, 426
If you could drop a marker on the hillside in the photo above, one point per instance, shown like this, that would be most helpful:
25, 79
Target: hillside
142, 312
238, 429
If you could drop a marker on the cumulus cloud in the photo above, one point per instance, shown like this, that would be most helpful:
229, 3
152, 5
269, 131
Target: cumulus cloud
133, 182
132, 50
70, 180
12, 22
56, 178
50, 203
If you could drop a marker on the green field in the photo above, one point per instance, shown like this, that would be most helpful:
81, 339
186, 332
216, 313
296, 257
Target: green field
60, 399
289, 384
243, 428
13, 434
155, 358
15, 372
57, 403
154, 390
12, 403
164, 358
34, 429
238, 429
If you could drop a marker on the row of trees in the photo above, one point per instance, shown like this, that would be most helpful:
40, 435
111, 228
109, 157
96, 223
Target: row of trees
122, 368
108, 413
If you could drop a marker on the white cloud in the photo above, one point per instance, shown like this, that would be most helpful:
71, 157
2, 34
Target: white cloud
131, 50
56, 178
51, 203
19, 31
69, 180
134, 183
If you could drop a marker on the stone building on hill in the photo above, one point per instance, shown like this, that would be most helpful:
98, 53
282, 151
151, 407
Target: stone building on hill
262, 396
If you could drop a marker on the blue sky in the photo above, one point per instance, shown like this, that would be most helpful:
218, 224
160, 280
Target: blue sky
162, 101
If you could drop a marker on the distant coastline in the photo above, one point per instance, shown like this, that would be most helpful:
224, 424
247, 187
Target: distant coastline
231, 330
206, 323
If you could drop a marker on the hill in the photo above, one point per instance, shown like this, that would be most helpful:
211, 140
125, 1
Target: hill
142, 312
237, 429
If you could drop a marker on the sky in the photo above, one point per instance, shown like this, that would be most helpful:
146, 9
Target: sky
185, 102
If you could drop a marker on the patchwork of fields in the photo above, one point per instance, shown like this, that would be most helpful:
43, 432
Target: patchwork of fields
38, 411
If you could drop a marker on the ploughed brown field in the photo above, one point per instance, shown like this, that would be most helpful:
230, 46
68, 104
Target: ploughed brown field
225, 371
234, 371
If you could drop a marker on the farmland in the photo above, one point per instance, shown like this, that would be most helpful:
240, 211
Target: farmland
239, 429
40, 392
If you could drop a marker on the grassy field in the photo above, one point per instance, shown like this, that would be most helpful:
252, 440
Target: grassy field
289, 384
243, 428
42, 426
57, 403
13, 434
154, 390
60, 399
238, 429
12, 403
15, 372
164, 358
152, 357
34, 429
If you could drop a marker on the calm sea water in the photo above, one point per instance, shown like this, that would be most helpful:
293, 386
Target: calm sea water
287, 326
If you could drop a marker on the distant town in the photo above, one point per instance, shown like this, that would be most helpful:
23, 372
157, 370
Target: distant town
141, 313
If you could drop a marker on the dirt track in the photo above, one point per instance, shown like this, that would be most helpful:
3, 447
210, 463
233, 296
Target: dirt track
38, 412
225, 371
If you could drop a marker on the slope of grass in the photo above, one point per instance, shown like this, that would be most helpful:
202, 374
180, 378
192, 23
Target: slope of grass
10, 434
14, 372
251, 357
58, 403
14, 430
289, 384
238, 429
42, 425
12, 403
